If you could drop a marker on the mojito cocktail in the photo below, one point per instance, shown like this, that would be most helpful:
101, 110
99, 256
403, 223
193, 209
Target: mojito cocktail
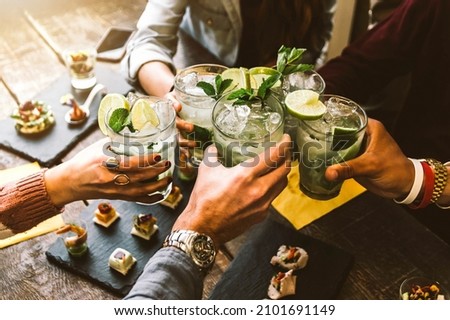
333, 138
301, 80
197, 105
244, 131
150, 129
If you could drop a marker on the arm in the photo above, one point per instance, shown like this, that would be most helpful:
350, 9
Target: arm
35, 198
383, 53
224, 203
155, 41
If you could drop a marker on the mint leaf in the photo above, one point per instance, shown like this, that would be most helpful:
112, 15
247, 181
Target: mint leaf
223, 86
268, 83
239, 94
207, 88
218, 82
289, 60
243, 96
118, 119
298, 68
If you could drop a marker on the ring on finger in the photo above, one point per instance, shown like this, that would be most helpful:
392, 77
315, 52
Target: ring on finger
111, 163
121, 179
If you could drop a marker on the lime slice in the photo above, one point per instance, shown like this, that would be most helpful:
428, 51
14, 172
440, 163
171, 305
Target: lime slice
343, 138
142, 113
343, 130
240, 77
262, 73
305, 104
109, 102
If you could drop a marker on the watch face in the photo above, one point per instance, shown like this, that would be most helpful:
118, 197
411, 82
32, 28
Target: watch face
203, 251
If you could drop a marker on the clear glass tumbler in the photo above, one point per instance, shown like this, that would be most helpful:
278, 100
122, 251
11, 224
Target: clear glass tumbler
81, 66
196, 105
160, 139
244, 131
334, 138
308, 80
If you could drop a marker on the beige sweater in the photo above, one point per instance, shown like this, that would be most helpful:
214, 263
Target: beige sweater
24, 203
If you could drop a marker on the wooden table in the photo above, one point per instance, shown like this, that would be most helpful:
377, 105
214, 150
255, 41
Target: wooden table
387, 243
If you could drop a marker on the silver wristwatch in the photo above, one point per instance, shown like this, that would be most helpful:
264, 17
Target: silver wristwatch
198, 246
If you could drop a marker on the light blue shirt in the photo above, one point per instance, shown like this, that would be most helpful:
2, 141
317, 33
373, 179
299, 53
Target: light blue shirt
216, 25
169, 275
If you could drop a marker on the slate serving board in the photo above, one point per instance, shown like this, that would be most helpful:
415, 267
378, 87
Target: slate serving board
50, 146
249, 274
103, 241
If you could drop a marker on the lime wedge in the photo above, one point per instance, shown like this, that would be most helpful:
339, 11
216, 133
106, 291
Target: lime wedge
109, 102
305, 104
240, 78
142, 113
343, 130
262, 73
343, 138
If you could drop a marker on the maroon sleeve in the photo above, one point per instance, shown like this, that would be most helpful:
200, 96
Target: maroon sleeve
388, 50
25, 203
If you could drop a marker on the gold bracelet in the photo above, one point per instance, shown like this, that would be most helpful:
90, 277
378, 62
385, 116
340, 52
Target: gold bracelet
440, 178
447, 164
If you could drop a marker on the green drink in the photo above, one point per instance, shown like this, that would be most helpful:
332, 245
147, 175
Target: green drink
244, 131
333, 138
307, 80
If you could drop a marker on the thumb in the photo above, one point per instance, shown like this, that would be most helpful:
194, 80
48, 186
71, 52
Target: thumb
345, 170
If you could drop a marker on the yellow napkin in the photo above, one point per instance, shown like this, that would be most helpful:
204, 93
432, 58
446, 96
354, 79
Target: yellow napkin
44, 227
301, 210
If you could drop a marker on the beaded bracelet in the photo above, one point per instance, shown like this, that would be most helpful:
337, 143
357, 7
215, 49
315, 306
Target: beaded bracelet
427, 189
417, 184
438, 205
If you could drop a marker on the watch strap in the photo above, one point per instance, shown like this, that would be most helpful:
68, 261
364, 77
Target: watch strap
198, 246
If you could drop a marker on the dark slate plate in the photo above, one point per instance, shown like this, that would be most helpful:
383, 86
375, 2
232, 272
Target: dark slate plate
249, 274
50, 146
102, 242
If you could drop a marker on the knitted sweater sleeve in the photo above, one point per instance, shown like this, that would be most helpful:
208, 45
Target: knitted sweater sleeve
24, 204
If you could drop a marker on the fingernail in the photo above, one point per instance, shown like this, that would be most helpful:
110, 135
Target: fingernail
157, 158
168, 164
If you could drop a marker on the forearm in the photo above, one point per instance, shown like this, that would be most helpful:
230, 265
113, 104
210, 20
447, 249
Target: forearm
58, 182
24, 204
156, 78
156, 37
169, 274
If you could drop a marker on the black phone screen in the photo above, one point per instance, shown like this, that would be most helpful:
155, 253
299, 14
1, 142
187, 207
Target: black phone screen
116, 38
112, 46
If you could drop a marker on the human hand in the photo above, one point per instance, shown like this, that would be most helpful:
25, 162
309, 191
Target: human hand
85, 177
383, 168
183, 126
227, 201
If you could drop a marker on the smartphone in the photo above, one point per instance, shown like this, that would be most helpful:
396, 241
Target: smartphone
112, 45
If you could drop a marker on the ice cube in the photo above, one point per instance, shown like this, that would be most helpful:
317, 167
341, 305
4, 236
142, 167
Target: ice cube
254, 130
273, 121
230, 123
189, 81
242, 112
